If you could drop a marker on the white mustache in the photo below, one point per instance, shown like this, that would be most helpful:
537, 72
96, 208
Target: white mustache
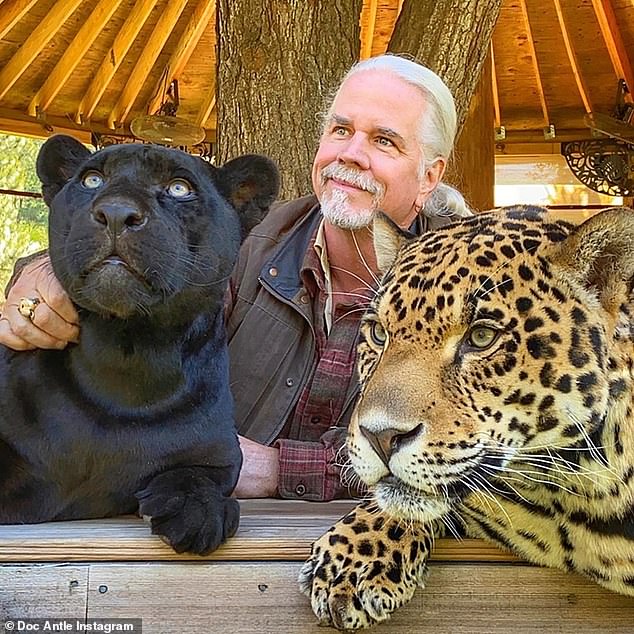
352, 177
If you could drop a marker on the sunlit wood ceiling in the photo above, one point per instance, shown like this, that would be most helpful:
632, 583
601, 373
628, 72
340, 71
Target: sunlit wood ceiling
73, 65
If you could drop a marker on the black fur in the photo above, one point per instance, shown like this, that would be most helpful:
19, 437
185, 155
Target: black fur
138, 415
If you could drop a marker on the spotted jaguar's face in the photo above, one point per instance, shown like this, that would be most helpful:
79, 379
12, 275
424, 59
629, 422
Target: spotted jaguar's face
485, 339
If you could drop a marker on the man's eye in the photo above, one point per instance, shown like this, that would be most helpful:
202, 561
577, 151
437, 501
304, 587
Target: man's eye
92, 180
340, 131
179, 188
383, 140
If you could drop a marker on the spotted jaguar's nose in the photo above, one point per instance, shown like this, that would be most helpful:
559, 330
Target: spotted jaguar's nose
118, 216
387, 441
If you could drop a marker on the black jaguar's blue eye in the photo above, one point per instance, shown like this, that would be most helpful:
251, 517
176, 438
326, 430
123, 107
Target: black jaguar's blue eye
92, 180
179, 188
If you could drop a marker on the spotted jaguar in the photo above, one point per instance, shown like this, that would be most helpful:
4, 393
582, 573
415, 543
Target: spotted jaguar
496, 402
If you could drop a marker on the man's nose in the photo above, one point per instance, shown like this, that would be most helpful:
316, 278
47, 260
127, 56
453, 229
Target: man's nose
355, 152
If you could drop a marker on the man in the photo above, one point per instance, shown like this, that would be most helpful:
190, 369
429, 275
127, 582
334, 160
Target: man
304, 275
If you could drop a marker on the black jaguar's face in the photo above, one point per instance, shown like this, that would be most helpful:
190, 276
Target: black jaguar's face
136, 225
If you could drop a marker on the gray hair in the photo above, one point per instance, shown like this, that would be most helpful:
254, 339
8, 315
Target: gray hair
438, 122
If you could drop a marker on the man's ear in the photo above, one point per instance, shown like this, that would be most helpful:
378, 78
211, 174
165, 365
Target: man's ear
251, 183
57, 161
429, 180
388, 239
599, 256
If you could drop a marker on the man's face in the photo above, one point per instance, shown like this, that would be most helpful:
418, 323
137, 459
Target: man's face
369, 156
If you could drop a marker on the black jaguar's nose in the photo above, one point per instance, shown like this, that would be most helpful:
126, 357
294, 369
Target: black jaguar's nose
118, 215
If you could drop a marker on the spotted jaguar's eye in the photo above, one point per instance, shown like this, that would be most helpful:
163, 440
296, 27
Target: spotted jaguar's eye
377, 333
92, 180
482, 337
179, 188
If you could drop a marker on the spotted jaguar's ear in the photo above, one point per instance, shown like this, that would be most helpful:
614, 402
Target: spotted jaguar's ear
251, 183
599, 255
58, 160
388, 239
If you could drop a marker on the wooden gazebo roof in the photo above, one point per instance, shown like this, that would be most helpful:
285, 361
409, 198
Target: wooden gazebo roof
94, 65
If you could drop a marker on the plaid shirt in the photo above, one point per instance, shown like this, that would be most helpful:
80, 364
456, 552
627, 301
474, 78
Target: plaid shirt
312, 450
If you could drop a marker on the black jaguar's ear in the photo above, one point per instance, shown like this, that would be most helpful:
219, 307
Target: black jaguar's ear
251, 184
57, 161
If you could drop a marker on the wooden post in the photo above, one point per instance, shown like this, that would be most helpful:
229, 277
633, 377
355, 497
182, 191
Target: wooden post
472, 168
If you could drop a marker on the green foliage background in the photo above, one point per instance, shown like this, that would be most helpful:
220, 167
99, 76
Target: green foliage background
23, 221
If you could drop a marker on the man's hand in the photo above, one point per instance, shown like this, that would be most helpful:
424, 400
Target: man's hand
55, 319
260, 467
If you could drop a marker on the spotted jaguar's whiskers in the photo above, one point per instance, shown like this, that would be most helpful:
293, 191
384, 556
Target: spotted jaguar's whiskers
450, 526
363, 260
506, 474
594, 450
487, 487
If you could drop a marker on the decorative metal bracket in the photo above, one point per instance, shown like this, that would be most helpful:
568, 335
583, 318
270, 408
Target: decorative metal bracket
604, 165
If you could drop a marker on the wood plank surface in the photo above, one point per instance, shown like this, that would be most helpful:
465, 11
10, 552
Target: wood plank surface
269, 530
264, 598
250, 585
42, 591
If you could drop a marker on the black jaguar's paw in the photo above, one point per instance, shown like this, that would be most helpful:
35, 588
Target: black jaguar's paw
188, 511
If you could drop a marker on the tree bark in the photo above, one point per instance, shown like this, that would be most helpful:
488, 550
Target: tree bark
452, 38
278, 61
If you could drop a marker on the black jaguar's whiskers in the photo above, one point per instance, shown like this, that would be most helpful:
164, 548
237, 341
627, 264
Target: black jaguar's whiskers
207, 284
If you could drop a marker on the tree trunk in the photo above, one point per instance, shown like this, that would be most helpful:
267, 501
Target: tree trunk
278, 61
452, 38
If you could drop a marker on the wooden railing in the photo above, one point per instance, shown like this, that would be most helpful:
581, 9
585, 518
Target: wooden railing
116, 569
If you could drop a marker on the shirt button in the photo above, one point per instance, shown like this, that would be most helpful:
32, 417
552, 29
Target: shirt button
290, 382
304, 299
315, 419
300, 489
273, 272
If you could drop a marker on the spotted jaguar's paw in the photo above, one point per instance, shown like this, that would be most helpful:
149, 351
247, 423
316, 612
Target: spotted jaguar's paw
364, 568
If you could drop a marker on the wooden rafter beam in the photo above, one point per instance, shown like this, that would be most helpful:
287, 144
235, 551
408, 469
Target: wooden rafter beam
34, 44
13, 121
496, 95
533, 52
614, 43
73, 55
370, 8
12, 11
193, 32
113, 58
572, 58
155, 43
207, 106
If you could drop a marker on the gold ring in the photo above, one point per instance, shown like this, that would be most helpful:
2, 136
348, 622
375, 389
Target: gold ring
27, 306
